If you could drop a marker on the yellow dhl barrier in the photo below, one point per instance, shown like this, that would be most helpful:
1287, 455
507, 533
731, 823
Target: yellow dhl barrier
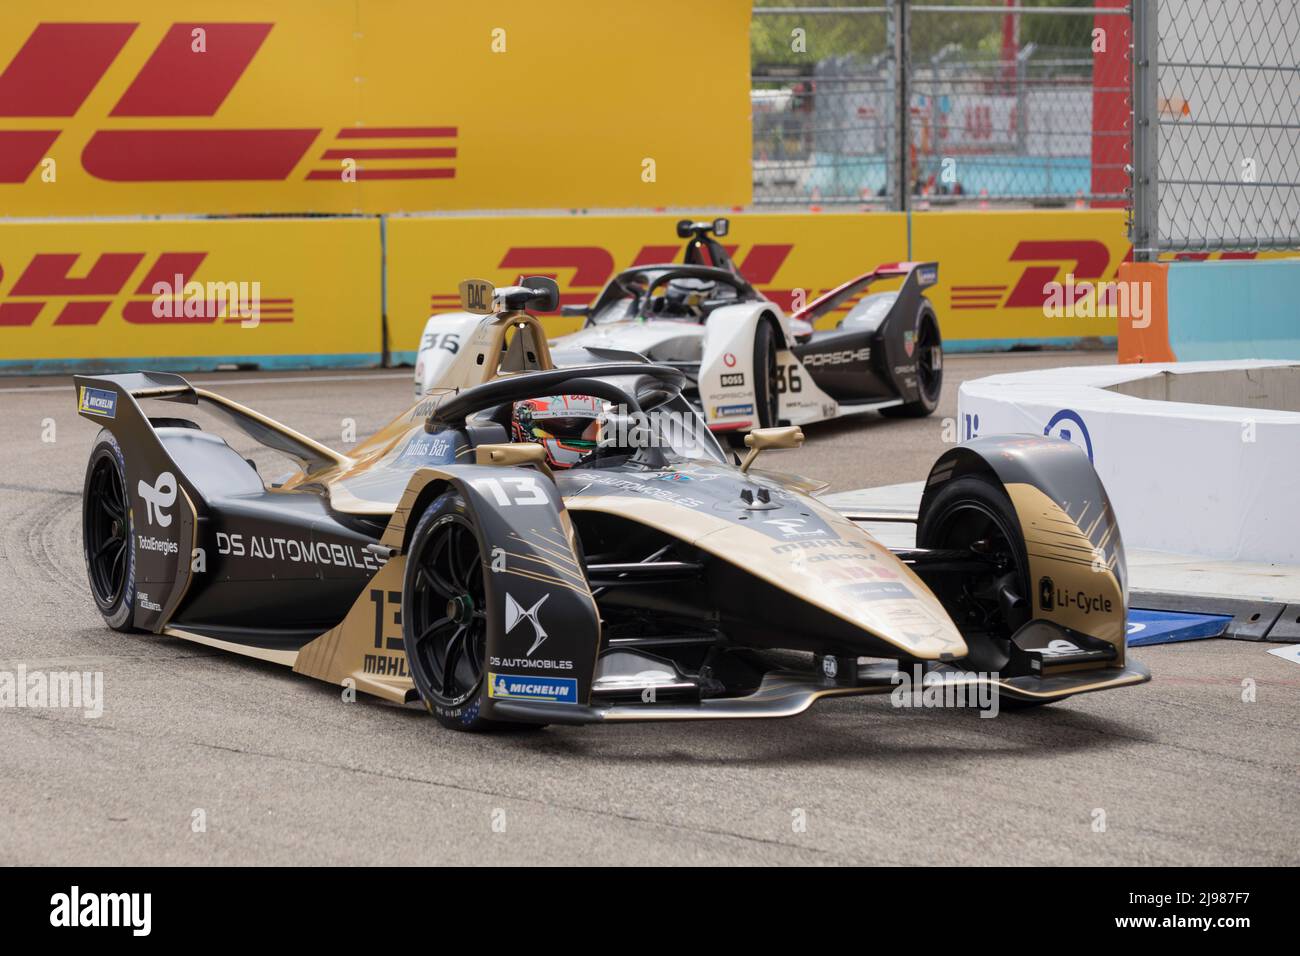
77, 291
147, 107
992, 266
190, 294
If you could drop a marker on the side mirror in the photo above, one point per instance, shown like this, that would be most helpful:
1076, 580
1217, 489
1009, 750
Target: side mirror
546, 293
785, 436
721, 227
514, 453
575, 310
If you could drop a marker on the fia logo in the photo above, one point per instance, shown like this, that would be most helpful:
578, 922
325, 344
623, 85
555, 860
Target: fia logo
515, 613
161, 494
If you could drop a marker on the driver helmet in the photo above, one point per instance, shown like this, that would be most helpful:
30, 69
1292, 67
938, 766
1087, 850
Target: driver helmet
684, 296
567, 426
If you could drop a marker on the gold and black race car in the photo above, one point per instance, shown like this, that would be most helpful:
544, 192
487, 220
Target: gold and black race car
533, 545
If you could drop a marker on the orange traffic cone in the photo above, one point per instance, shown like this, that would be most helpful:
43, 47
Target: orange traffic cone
984, 199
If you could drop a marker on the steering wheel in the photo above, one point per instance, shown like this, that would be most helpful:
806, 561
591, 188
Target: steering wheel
574, 380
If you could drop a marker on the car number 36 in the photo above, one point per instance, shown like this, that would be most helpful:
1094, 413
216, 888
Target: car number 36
788, 380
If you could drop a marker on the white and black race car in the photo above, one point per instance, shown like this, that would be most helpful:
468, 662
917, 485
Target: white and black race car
747, 364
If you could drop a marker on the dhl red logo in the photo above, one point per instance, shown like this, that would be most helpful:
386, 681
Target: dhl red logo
1087, 260
61, 63
588, 268
165, 295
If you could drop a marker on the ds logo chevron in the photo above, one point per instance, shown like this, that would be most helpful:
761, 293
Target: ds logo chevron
515, 613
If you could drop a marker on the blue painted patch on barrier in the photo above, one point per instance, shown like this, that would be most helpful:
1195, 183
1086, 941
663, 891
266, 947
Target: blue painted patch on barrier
1168, 627
1234, 310
1006, 345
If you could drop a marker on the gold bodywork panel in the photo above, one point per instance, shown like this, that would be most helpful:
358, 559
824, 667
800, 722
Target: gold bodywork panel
1073, 583
367, 645
821, 572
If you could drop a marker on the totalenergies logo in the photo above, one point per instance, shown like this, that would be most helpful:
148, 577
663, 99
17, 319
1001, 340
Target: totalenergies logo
189, 74
165, 295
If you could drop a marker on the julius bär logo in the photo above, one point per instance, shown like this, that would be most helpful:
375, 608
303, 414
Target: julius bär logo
167, 292
188, 76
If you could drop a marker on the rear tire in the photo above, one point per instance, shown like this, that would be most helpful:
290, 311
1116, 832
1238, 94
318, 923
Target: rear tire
929, 368
107, 533
446, 618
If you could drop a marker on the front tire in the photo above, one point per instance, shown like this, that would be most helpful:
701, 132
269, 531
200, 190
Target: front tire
767, 397
106, 533
445, 615
973, 513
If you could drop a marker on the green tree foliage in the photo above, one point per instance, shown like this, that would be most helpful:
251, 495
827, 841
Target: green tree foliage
979, 35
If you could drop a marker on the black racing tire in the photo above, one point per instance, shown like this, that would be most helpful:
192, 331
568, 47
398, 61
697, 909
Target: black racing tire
107, 533
767, 397
446, 618
929, 367
974, 512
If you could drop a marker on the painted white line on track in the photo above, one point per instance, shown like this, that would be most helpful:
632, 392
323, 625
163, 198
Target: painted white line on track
245, 381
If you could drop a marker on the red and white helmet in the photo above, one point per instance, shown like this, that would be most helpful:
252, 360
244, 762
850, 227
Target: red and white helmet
567, 426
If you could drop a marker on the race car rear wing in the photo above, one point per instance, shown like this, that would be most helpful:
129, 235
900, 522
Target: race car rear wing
97, 398
167, 504
923, 274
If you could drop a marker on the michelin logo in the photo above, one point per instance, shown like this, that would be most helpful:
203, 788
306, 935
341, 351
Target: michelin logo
98, 401
554, 690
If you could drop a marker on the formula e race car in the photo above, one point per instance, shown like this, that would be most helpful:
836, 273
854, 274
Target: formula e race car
747, 364
610, 563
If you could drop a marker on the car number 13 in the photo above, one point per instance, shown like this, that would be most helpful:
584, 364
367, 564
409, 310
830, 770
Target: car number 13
513, 490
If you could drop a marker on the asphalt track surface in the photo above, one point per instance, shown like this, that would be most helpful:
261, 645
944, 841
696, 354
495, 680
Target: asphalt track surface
286, 772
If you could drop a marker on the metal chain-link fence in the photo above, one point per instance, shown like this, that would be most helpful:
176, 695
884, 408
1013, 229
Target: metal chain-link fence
896, 104
1217, 109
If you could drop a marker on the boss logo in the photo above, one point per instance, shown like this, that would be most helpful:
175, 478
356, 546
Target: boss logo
733, 380
844, 357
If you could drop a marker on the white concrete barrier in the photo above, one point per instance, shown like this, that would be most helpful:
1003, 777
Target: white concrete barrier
1200, 458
